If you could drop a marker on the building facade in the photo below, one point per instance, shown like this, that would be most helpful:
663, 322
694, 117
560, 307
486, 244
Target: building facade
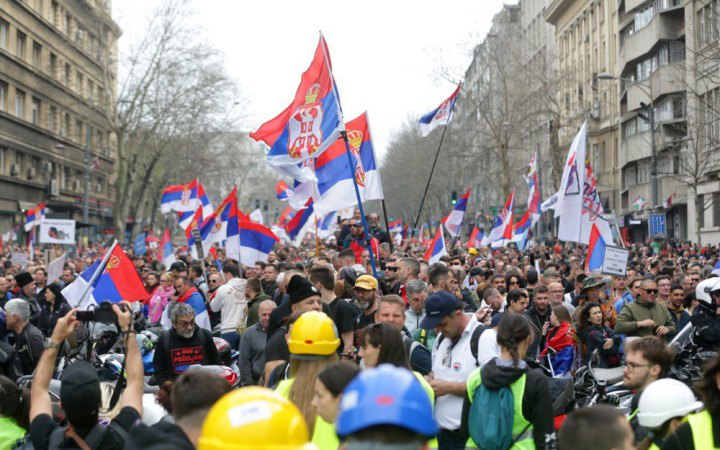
57, 81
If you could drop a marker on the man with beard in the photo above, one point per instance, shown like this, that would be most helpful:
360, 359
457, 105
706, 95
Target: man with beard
183, 345
391, 277
677, 309
26, 283
538, 315
366, 298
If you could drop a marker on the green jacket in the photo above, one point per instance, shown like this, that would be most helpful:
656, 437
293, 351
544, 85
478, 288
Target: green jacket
637, 311
253, 306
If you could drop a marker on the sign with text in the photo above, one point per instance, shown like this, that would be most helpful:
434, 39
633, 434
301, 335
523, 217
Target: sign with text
55, 269
57, 231
657, 228
615, 261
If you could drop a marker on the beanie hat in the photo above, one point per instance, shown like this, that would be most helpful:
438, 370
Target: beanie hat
299, 289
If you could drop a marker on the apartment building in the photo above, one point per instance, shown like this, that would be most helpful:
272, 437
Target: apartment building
57, 79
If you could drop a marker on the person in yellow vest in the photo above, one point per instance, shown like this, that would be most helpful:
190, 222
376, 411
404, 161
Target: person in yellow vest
702, 429
254, 418
14, 412
385, 408
313, 341
330, 383
662, 408
532, 422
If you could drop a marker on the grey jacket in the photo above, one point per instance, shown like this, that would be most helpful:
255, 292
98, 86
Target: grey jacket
252, 355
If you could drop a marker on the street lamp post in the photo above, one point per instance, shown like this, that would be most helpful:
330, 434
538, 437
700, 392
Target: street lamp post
86, 187
650, 118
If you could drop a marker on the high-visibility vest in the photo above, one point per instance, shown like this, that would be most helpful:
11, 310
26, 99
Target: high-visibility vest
522, 428
702, 430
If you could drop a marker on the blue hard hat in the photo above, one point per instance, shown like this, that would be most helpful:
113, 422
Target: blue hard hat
386, 395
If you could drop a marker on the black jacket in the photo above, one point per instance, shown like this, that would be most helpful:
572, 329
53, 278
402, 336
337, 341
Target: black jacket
34, 307
594, 338
49, 317
174, 353
537, 320
536, 402
380, 234
707, 325
160, 436
29, 344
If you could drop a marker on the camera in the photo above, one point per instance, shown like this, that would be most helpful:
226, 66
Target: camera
102, 313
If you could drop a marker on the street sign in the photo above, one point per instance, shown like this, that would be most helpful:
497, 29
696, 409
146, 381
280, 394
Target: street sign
615, 261
657, 226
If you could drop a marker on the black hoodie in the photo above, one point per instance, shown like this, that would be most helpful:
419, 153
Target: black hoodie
161, 436
536, 403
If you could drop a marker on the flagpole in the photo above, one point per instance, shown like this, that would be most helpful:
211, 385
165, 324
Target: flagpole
97, 273
387, 224
317, 238
432, 170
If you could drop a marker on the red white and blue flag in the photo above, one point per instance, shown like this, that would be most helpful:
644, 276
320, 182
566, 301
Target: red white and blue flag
285, 216
166, 248
185, 218
503, 226
476, 237
596, 250
437, 249
256, 242
442, 115
453, 222
309, 125
180, 197
283, 191
396, 226
222, 225
117, 280
296, 226
34, 216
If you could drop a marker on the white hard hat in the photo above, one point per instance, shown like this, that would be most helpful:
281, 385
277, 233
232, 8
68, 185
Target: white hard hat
703, 289
663, 400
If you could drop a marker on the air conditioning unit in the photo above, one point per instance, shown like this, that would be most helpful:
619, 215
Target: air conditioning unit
14, 169
47, 167
76, 185
53, 188
31, 173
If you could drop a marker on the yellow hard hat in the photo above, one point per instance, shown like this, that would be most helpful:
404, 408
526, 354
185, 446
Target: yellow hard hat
314, 333
254, 418
472, 251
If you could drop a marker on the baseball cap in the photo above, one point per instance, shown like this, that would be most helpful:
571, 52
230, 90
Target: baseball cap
438, 305
367, 282
80, 393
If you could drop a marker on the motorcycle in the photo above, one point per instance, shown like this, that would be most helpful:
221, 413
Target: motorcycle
689, 358
595, 385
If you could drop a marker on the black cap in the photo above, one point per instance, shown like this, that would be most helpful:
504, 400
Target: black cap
299, 289
475, 271
80, 393
23, 279
438, 306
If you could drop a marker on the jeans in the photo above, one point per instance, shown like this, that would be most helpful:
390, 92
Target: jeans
451, 440
233, 339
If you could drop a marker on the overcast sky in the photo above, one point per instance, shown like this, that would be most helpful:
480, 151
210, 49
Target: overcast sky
388, 56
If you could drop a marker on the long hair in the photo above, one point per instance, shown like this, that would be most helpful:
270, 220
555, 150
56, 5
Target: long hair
562, 314
584, 315
513, 330
14, 402
389, 339
304, 372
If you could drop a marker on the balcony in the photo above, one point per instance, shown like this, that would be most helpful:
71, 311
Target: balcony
667, 79
635, 147
662, 27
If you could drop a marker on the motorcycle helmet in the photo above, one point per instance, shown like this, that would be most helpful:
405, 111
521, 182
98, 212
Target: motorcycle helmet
663, 400
222, 371
224, 349
705, 288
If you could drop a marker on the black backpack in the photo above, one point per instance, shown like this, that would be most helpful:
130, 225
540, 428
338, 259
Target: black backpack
474, 341
93, 439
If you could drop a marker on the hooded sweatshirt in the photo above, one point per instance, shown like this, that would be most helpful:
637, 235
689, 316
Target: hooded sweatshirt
233, 306
536, 402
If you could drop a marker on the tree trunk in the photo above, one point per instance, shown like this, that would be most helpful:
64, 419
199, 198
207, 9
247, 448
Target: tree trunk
557, 158
699, 209
505, 175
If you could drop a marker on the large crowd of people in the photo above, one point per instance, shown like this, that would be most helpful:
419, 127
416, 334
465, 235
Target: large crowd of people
332, 352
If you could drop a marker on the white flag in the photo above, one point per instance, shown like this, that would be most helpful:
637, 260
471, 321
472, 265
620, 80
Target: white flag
570, 196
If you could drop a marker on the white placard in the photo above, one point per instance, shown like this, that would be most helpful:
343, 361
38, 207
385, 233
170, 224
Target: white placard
615, 261
21, 259
57, 231
55, 269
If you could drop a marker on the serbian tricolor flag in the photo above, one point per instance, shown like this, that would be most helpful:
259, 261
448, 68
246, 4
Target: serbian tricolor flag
309, 125
185, 218
596, 250
285, 216
222, 225
334, 172
256, 242
296, 226
34, 216
283, 191
116, 280
667, 204
475, 238
502, 228
440, 115
437, 248
396, 226
180, 197
453, 222
166, 248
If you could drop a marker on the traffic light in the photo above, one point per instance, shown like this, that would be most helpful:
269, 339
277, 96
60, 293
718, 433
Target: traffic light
454, 197
257, 203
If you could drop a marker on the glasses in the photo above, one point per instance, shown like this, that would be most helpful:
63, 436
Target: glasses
513, 283
355, 225
650, 291
632, 366
212, 281
391, 269
185, 323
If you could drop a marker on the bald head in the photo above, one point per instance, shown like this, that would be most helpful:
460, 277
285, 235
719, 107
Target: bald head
264, 310
556, 293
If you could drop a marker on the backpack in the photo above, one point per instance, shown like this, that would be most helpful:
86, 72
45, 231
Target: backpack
93, 439
491, 418
474, 341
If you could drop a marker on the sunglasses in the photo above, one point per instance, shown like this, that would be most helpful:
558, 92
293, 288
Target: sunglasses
651, 291
391, 269
355, 225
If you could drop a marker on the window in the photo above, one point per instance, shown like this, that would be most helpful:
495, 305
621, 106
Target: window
20, 45
36, 55
35, 111
595, 157
4, 28
91, 90
3, 96
68, 23
55, 10
66, 126
67, 74
53, 65
52, 117
79, 83
716, 208
80, 36
78, 130
19, 103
